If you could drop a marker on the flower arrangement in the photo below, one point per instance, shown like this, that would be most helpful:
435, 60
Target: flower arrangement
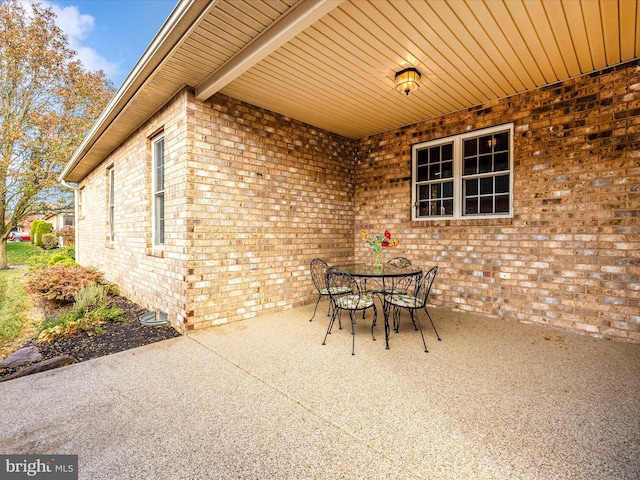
379, 241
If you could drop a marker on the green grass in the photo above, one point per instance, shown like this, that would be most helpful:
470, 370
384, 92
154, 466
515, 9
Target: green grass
14, 305
19, 253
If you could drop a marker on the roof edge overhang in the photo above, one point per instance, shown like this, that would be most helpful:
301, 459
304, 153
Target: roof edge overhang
181, 19
184, 16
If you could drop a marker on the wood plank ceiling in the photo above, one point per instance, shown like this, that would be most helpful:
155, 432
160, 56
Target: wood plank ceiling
338, 72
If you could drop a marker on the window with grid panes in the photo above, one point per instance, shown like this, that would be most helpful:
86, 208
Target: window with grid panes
467, 175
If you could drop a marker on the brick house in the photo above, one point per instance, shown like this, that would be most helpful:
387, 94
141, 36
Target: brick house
254, 136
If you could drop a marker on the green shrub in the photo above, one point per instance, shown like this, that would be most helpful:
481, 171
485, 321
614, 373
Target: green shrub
49, 241
60, 283
33, 230
47, 258
60, 259
76, 320
42, 229
91, 296
70, 251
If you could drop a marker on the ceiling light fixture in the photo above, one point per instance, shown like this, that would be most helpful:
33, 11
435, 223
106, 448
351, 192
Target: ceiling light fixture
408, 80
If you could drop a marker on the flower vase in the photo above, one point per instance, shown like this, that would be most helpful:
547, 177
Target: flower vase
377, 263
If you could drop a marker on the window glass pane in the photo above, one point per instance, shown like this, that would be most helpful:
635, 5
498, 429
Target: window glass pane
447, 170
447, 151
434, 172
423, 192
159, 210
486, 186
486, 164
470, 166
423, 157
447, 207
159, 164
470, 147
501, 161
471, 206
502, 203
502, 184
434, 154
423, 173
486, 204
486, 144
447, 189
501, 142
471, 187
423, 209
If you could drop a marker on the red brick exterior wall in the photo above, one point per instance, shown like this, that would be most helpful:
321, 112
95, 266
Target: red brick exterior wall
570, 256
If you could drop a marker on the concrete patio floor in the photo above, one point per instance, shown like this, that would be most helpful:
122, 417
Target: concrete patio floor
263, 399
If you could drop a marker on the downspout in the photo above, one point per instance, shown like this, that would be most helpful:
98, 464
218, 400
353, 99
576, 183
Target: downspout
75, 214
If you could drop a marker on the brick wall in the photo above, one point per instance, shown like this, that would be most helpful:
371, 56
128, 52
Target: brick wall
266, 194
251, 198
150, 276
570, 256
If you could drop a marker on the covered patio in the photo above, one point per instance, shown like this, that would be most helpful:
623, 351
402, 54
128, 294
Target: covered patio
263, 399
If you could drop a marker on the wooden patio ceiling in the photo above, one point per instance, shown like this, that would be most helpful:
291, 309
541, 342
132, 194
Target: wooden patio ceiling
331, 63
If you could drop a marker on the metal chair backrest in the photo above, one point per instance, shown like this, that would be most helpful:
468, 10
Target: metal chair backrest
423, 287
400, 262
339, 284
319, 274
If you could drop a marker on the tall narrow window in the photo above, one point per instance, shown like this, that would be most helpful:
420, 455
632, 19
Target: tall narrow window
112, 204
158, 190
80, 193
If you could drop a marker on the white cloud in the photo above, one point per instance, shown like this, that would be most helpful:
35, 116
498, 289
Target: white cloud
77, 26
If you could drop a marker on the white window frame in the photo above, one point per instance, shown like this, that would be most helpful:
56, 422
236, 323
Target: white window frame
112, 204
458, 176
157, 191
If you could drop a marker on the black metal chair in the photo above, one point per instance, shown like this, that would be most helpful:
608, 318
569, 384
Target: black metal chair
400, 262
319, 277
347, 295
413, 302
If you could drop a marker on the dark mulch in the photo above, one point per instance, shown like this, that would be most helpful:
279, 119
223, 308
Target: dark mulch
117, 336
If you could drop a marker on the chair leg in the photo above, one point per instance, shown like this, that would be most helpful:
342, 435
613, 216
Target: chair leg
396, 318
414, 317
314, 310
331, 321
374, 322
353, 332
434, 327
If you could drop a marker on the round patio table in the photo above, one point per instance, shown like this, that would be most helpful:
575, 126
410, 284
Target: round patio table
388, 274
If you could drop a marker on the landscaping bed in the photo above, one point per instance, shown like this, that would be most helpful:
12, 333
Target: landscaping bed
115, 337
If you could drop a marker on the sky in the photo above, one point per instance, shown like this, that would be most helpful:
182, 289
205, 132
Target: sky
110, 35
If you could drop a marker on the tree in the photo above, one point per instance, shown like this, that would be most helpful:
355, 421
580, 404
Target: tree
48, 102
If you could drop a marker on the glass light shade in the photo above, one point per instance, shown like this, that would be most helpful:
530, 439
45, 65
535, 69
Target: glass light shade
408, 80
